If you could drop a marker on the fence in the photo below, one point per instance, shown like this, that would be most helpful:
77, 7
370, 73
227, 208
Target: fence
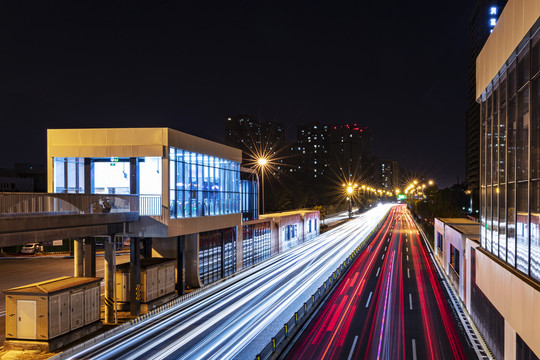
291, 327
150, 205
18, 204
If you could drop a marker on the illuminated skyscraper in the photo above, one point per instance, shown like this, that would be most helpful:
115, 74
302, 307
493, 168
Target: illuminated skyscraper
481, 23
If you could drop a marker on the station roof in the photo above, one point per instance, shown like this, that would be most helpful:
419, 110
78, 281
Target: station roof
52, 286
300, 212
457, 221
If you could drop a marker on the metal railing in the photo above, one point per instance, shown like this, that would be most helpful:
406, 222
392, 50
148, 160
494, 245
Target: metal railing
149, 205
19, 204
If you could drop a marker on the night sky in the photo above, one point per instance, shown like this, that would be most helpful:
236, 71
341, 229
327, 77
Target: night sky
398, 67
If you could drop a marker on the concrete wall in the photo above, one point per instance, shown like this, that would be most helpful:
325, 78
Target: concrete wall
456, 239
515, 297
439, 228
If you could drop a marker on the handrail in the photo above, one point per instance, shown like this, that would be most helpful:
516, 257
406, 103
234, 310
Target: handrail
34, 204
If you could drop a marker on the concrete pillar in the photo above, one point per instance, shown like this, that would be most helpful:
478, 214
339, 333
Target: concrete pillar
78, 257
90, 257
191, 249
180, 277
147, 251
135, 277
110, 282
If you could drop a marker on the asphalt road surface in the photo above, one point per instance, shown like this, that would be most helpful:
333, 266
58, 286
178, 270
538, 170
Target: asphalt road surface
238, 317
389, 306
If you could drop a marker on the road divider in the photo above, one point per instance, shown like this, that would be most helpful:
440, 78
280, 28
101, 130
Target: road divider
308, 310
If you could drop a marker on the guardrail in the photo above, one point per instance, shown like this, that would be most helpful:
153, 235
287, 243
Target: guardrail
19, 204
278, 343
150, 205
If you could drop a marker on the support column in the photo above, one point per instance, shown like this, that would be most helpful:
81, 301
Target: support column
78, 257
180, 278
90, 257
147, 251
133, 176
110, 282
87, 176
135, 277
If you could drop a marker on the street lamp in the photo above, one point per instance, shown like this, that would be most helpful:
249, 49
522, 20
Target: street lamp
262, 162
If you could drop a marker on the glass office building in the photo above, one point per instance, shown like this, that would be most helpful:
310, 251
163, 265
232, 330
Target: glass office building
510, 159
202, 185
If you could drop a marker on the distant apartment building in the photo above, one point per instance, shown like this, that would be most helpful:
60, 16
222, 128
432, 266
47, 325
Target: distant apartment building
481, 23
350, 151
254, 138
311, 150
505, 268
390, 175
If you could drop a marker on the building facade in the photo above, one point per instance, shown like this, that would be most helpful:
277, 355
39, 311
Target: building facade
508, 259
481, 23
195, 200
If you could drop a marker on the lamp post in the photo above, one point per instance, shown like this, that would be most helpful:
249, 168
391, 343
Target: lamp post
262, 163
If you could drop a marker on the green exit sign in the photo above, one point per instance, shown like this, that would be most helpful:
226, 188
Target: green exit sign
401, 197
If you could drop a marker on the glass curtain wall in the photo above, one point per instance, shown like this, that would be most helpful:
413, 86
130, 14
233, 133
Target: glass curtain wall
510, 161
68, 174
256, 243
249, 197
217, 254
202, 185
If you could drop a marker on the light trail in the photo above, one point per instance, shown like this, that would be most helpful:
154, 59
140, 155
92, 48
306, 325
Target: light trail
223, 325
387, 324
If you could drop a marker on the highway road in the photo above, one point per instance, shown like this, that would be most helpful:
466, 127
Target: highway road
390, 305
239, 316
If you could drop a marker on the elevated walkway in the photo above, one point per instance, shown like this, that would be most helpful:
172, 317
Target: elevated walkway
39, 217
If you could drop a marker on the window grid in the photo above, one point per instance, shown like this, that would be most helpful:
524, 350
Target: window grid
202, 185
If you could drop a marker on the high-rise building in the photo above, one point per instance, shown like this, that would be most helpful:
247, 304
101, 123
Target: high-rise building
505, 268
254, 138
481, 23
312, 151
390, 175
349, 151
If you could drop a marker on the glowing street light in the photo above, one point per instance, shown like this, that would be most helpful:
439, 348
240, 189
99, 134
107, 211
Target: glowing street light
262, 162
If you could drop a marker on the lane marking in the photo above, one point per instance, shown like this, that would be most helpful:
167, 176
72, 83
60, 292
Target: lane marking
385, 248
410, 301
407, 249
414, 349
382, 256
407, 257
408, 273
352, 348
369, 298
379, 269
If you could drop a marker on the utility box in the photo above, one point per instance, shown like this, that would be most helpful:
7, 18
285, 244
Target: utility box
157, 279
44, 315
